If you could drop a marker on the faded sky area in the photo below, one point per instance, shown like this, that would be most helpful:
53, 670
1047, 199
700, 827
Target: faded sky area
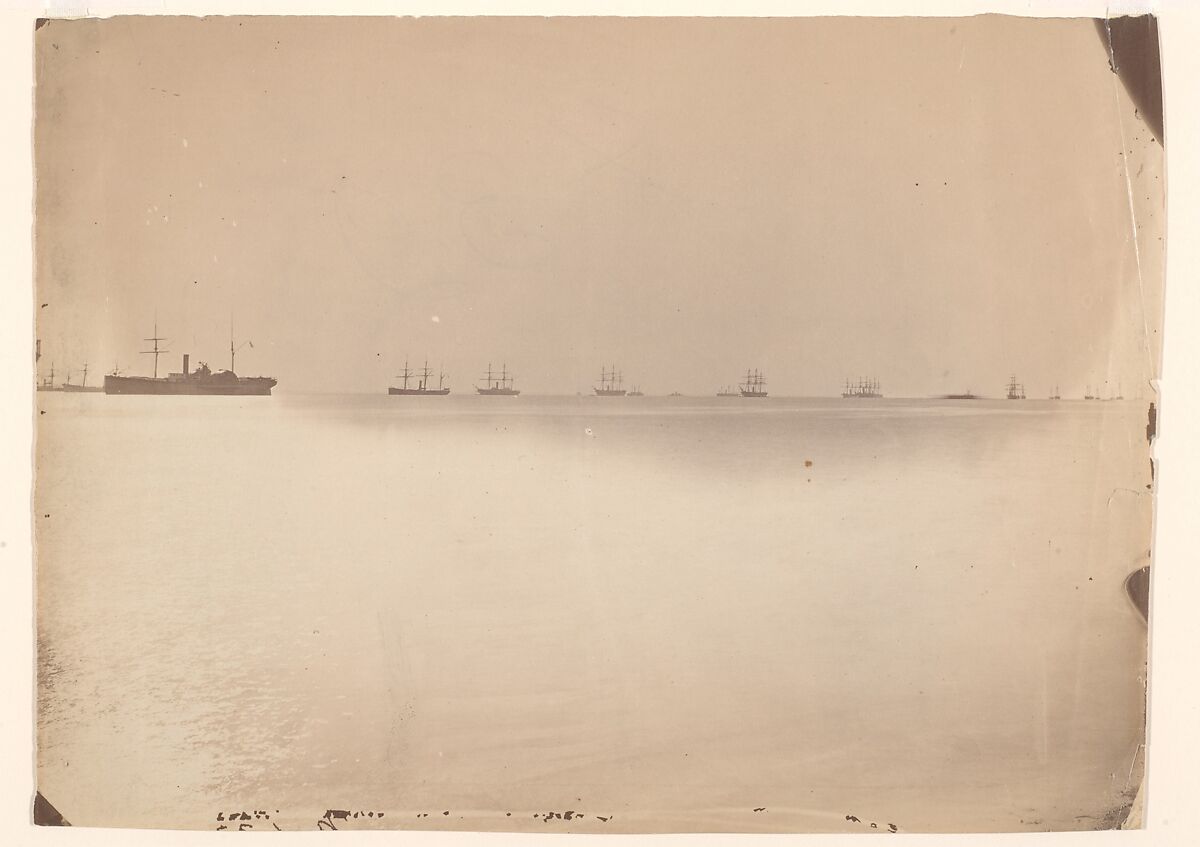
936, 202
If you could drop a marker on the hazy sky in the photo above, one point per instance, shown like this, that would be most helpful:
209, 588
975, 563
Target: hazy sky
936, 202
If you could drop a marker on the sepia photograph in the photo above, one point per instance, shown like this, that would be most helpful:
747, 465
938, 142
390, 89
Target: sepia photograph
607, 425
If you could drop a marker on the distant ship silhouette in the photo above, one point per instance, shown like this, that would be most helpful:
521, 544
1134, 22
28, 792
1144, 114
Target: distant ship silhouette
200, 381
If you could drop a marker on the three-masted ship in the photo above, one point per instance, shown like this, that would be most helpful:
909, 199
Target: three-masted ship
866, 388
1015, 391
498, 385
610, 383
755, 384
422, 385
728, 391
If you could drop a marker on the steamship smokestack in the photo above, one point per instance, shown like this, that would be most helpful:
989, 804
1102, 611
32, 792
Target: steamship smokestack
185, 364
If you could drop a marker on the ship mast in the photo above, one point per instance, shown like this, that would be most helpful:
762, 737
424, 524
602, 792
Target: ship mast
407, 373
234, 350
156, 351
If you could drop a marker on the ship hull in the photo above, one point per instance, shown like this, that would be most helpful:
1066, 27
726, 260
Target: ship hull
609, 392
862, 396
498, 392
420, 392
88, 389
754, 394
246, 386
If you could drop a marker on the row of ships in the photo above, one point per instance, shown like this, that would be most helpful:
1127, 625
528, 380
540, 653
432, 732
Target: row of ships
420, 382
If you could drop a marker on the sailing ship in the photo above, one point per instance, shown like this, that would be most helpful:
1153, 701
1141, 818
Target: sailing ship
610, 383
497, 385
200, 381
1089, 393
1056, 395
636, 392
966, 395
1015, 391
728, 391
755, 384
865, 388
423, 386
47, 383
83, 386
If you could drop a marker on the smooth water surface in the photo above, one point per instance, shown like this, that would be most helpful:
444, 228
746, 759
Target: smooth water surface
666, 612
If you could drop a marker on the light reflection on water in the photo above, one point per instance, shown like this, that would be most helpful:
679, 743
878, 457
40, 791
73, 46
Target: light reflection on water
666, 611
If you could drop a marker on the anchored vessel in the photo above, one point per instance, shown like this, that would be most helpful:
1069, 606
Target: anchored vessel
610, 384
728, 391
1015, 391
866, 387
637, 392
47, 383
423, 386
755, 384
83, 386
967, 395
1056, 395
200, 381
499, 386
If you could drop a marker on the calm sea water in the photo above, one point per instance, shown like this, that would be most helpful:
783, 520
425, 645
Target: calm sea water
472, 613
